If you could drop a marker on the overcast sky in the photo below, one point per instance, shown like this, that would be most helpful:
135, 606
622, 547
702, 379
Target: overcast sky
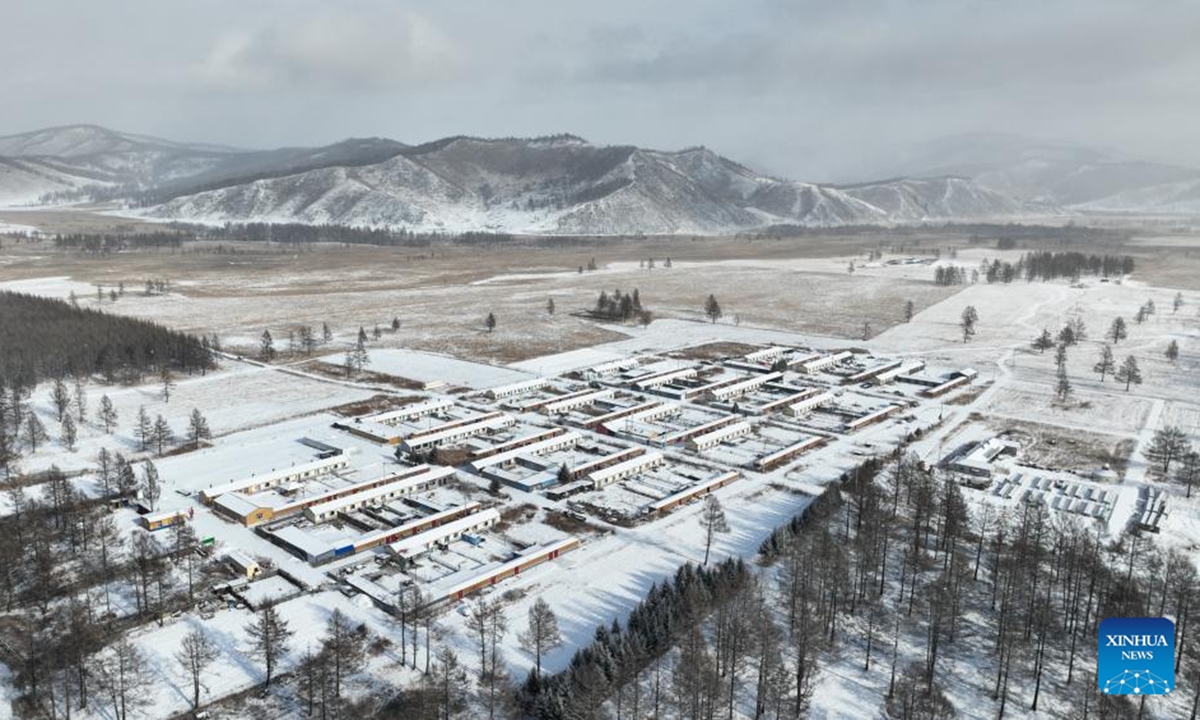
817, 90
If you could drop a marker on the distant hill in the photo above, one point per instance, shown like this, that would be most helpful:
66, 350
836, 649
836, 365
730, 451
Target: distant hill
1053, 173
558, 184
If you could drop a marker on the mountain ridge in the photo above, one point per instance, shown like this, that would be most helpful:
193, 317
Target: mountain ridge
558, 184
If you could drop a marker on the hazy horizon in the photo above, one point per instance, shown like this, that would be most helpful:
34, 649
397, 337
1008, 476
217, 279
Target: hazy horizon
798, 89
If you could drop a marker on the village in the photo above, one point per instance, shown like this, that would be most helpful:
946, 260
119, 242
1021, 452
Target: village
415, 497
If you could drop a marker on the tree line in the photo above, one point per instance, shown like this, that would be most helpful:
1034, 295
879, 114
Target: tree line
43, 338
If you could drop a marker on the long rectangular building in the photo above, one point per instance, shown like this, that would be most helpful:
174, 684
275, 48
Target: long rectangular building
627, 468
398, 487
911, 366
807, 405
788, 400
742, 387
654, 380
583, 398
457, 430
701, 489
257, 483
825, 361
877, 416
602, 420
530, 557
518, 388
718, 436
685, 435
558, 441
789, 453
251, 511
520, 442
411, 412
421, 543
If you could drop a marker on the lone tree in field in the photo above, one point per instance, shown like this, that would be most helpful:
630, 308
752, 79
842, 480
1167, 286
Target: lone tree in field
198, 428
1129, 373
266, 346
1177, 302
269, 639
970, 316
326, 333
910, 309
1106, 364
542, 634
866, 331
549, 306
712, 519
490, 322
195, 654
1117, 331
1062, 388
712, 309
1169, 444
107, 414
1043, 342
395, 324
1172, 351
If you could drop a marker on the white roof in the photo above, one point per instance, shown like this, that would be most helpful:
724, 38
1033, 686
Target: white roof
420, 540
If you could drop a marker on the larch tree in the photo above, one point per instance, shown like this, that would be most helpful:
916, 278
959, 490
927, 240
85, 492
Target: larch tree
270, 637
1177, 302
161, 434
1172, 351
1117, 331
1129, 373
542, 633
712, 309
107, 414
967, 322
266, 346
326, 333
61, 397
35, 432
1188, 471
195, 654
1043, 342
712, 519
910, 309
168, 383
69, 433
549, 306
490, 322
151, 486
144, 430
198, 429
80, 400
1106, 364
1168, 445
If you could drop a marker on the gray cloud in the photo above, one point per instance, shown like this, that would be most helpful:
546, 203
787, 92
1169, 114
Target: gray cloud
810, 89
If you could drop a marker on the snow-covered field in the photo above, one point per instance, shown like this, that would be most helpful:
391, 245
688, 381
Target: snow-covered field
257, 413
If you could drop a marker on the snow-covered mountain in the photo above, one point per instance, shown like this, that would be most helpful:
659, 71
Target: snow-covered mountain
1055, 173
564, 184
558, 184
